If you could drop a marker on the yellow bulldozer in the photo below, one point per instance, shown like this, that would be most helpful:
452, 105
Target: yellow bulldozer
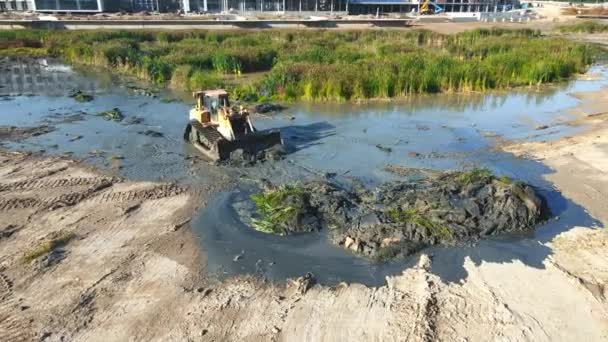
218, 129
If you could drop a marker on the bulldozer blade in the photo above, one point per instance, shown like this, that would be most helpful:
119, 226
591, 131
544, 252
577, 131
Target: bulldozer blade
251, 143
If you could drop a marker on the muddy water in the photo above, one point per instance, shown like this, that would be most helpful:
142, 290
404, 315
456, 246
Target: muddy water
438, 132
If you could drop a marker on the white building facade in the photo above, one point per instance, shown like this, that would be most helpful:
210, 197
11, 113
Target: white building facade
16, 5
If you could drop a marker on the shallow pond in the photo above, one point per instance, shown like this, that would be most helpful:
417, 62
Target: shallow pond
438, 132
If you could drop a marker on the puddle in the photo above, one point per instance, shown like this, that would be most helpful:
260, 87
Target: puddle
436, 132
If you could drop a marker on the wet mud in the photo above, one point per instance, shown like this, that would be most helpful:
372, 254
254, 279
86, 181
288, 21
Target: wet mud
21, 133
397, 219
81, 96
267, 107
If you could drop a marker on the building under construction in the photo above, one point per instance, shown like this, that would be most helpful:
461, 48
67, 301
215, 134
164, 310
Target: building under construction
346, 6
248, 6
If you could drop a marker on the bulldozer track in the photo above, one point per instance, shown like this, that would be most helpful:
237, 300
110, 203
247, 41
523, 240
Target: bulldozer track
30, 202
207, 136
73, 198
19, 203
13, 325
63, 200
66, 200
157, 192
32, 184
6, 286
211, 135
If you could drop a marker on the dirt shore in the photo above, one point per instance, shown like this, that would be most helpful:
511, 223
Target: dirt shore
132, 270
580, 162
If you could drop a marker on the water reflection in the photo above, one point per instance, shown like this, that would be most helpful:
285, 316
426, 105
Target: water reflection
452, 102
29, 78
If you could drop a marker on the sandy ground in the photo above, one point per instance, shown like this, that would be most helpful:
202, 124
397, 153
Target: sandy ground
580, 162
133, 271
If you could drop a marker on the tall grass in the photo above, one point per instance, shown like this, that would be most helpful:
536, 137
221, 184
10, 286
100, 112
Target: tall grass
320, 65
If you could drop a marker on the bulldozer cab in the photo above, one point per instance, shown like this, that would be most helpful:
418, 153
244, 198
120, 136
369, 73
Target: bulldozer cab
215, 101
214, 107
211, 101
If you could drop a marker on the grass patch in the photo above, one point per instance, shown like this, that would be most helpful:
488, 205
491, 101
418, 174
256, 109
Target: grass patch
413, 215
47, 246
505, 180
23, 52
112, 158
474, 176
319, 65
277, 208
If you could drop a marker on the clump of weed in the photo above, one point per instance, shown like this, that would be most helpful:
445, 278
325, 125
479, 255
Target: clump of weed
80, 96
278, 208
113, 114
505, 180
113, 157
474, 176
414, 216
47, 246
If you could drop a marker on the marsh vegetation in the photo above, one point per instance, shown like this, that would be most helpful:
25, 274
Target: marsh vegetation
317, 65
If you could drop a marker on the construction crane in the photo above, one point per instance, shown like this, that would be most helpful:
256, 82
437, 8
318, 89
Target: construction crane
429, 7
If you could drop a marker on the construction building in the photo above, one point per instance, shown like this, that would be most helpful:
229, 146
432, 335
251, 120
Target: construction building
16, 5
408, 6
69, 5
345, 6
249, 6
85, 6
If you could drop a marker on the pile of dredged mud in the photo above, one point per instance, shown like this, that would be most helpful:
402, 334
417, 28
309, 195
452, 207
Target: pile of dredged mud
244, 158
399, 218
